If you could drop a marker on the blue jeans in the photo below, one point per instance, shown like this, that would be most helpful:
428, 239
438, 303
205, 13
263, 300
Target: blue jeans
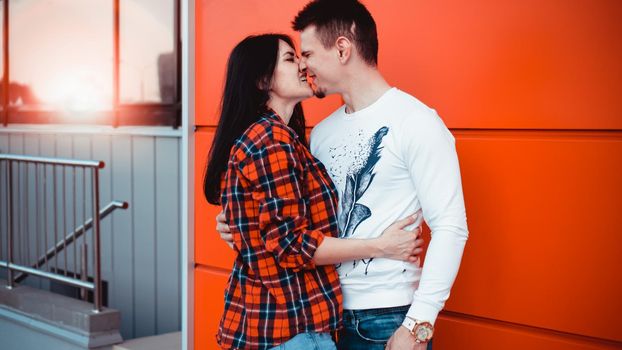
308, 341
371, 329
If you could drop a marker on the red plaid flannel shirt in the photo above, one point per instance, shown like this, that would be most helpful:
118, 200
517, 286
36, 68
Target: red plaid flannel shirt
280, 204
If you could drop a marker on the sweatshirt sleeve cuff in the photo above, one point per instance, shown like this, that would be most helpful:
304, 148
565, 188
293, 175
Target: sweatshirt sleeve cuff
422, 311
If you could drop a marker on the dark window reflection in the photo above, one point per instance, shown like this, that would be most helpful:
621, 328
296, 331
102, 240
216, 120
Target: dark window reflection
148, 61
20, 94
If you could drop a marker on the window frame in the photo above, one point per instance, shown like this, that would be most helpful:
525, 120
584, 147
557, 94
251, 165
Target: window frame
135, 114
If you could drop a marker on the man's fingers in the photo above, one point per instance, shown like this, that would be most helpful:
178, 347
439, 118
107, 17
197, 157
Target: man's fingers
413, 259
409, 220
223, 228
221, 217
221, 223
226, 236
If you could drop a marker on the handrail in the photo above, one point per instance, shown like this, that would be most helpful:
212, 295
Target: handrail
51, 174
70, 238
56, 161
30, 271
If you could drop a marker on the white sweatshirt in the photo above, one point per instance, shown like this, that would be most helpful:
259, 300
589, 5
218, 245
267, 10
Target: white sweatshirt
388, 161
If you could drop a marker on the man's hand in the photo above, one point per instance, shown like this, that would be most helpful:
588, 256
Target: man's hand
223, 229
400, 244
403, 340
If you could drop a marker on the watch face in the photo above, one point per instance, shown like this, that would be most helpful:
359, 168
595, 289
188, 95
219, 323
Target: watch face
422, 333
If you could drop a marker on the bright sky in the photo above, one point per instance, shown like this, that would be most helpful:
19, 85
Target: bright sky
62, 49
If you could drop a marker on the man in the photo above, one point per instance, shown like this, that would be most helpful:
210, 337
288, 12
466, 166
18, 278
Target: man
389, 155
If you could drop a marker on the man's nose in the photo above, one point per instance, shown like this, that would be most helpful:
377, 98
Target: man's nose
302, 66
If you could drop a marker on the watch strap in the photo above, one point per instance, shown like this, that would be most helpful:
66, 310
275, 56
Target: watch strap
409, 323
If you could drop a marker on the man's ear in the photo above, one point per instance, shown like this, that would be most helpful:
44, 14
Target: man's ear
344, 48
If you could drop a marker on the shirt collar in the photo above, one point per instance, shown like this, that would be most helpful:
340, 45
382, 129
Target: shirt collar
271, 114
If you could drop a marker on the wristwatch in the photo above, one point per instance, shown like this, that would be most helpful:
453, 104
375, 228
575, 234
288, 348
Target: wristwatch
421, 330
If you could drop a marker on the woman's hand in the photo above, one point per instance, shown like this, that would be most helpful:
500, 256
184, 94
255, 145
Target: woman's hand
401, 244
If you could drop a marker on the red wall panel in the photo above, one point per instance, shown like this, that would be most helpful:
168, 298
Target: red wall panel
526, 64
220, 26
482, 64
208, 306
544, 216
209, 249
532, 92
468, 334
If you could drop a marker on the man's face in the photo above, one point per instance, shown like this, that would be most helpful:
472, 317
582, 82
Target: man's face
321, 65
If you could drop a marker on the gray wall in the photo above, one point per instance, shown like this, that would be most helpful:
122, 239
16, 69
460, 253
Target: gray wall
140, 246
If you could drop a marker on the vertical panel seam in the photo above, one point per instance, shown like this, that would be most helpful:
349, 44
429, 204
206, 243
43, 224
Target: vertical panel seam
155, 233
131, 167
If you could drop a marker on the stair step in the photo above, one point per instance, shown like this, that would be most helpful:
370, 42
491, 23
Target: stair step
168, 341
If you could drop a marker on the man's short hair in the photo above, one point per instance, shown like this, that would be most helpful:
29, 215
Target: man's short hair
347, 18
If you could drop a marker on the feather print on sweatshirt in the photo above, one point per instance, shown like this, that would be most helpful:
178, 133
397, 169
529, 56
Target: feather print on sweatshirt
352, 212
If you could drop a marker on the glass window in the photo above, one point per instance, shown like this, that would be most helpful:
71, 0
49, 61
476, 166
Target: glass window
62, 62
148, 62
60, 55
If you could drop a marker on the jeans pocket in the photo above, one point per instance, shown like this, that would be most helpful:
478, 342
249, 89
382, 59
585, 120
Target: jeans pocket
378, 329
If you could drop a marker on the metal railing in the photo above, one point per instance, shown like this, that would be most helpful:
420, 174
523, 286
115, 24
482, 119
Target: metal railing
24, 190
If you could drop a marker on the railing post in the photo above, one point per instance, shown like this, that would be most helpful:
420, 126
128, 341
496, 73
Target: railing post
59, 246
84, 270
10, 223
97, 293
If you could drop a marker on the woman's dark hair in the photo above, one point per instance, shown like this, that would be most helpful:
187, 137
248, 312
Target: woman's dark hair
249, 76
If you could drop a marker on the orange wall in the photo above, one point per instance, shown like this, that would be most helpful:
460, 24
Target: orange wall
531, 90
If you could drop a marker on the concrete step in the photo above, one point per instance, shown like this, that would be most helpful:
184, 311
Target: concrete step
168, 341
35, 319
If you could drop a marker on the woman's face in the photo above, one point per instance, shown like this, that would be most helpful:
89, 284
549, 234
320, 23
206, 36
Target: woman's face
288, 83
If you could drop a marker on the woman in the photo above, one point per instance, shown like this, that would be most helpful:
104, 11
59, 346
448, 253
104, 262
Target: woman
281, 206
